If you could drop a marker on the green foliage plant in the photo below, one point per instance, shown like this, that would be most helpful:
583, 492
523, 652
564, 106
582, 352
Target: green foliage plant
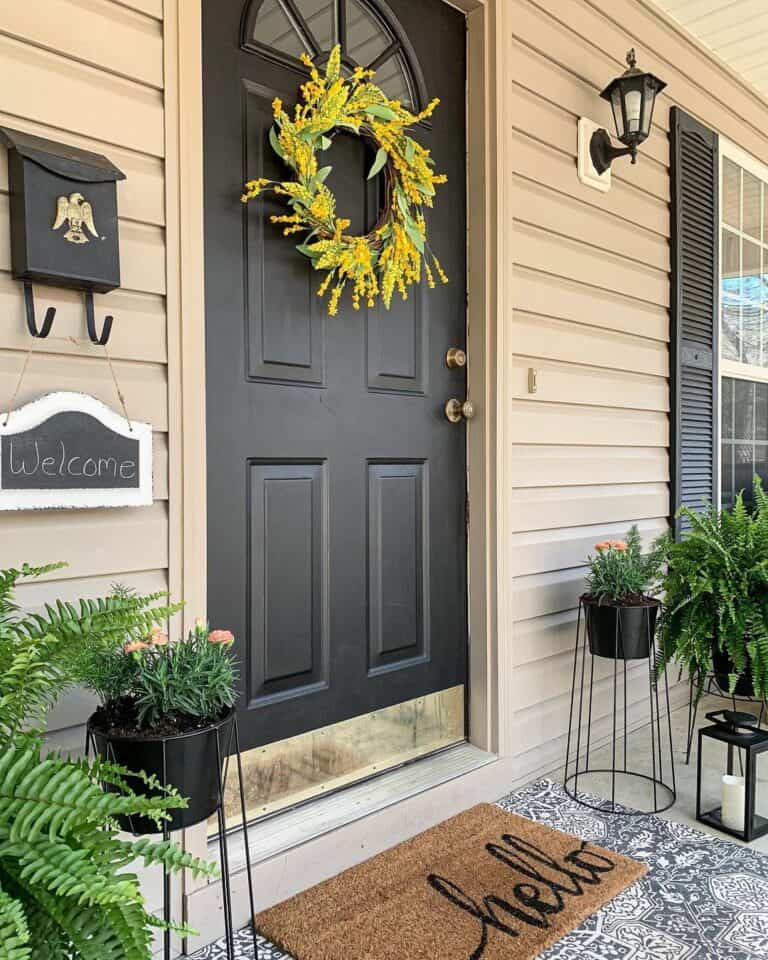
67, 889
619, 572
716, 591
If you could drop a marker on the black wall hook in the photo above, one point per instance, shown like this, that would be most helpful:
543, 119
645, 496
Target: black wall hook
50, 313
90, 320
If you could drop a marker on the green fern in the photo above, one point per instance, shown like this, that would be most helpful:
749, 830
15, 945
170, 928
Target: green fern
14, 932
716, 591
66, 887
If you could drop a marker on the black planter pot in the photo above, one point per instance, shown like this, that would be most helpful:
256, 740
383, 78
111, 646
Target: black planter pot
620, 632
723, 667
191, 762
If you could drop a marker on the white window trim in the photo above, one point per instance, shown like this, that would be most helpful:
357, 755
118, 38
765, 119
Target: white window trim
733, 369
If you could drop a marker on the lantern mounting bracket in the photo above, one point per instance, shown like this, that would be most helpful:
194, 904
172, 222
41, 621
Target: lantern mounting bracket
603, 152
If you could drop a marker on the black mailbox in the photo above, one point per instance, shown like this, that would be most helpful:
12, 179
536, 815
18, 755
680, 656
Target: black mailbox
64, 227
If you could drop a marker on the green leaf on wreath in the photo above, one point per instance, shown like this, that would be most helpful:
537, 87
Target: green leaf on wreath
382, 111
416, 238
322, 174
303, 248
275, 143
325, 142
378, 164
410, 150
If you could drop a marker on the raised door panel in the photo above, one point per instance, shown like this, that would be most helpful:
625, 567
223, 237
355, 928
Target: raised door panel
397, 343
288, 639
285, 321
398, 561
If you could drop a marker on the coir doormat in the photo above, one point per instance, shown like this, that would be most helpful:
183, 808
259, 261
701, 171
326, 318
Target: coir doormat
486, 884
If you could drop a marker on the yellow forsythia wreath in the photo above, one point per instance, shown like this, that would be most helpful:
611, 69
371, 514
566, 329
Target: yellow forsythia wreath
391, 256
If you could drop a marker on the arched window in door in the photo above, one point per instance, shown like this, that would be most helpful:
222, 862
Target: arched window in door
369, 35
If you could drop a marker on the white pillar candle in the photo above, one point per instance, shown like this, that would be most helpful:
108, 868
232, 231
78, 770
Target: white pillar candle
734, 802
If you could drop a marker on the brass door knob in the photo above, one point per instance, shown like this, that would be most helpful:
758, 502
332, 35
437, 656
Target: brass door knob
455, 357
455, 410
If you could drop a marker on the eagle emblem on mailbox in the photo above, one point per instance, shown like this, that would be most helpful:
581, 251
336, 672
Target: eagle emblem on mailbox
76, 210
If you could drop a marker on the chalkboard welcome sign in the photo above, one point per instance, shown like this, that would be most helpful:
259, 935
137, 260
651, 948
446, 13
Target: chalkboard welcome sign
70, 450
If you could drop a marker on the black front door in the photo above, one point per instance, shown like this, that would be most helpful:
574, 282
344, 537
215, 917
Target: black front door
336, 485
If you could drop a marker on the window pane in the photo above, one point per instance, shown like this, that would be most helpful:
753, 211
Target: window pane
761, 412
731, 194
319, 17
764, 302
752, 205
744, 467
751, 302
391, 78
366, 38
727, 425
744, 411
765, 214
759, 469
274, 29
727, 483
730, 296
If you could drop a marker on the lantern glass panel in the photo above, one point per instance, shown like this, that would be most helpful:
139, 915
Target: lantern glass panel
761, 790
733, 783
634, 102
649, 99
618, 116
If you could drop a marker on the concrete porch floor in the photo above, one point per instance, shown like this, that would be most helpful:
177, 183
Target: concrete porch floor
636, 793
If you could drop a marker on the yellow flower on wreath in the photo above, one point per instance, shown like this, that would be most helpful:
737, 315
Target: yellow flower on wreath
395, 254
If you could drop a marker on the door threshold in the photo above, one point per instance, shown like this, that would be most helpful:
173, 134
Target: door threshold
281, 832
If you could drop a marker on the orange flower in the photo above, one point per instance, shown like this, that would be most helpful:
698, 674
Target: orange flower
159, 639
618, 545
221, 636
602, 546
136, 646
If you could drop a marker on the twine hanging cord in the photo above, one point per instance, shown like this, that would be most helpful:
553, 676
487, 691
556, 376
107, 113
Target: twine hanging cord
78, 343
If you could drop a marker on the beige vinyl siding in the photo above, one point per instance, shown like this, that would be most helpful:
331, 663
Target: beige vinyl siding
590, 296
90, 73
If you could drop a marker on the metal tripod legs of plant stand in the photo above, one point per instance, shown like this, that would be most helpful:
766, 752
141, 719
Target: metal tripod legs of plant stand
629, 715
225, 740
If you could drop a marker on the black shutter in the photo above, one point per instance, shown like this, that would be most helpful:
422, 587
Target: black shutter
695, 336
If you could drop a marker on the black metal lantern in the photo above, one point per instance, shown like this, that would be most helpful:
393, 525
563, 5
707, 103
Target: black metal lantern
632, 97
735, 800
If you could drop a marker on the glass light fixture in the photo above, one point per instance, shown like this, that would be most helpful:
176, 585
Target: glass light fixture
632, 97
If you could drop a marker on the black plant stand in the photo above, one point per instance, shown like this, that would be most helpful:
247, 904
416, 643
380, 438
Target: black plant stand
580, 745
712, 688
223, 750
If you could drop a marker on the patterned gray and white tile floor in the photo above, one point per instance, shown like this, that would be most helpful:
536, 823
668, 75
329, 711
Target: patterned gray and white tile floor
702, 899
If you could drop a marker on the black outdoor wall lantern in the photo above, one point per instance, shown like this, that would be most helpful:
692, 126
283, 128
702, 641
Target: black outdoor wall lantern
732, 775
64, 228
631, 96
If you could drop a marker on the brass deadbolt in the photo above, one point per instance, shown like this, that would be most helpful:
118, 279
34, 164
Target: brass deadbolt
455, 357
456, 411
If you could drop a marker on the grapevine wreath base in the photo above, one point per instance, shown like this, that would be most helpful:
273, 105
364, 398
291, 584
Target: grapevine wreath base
392, 255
